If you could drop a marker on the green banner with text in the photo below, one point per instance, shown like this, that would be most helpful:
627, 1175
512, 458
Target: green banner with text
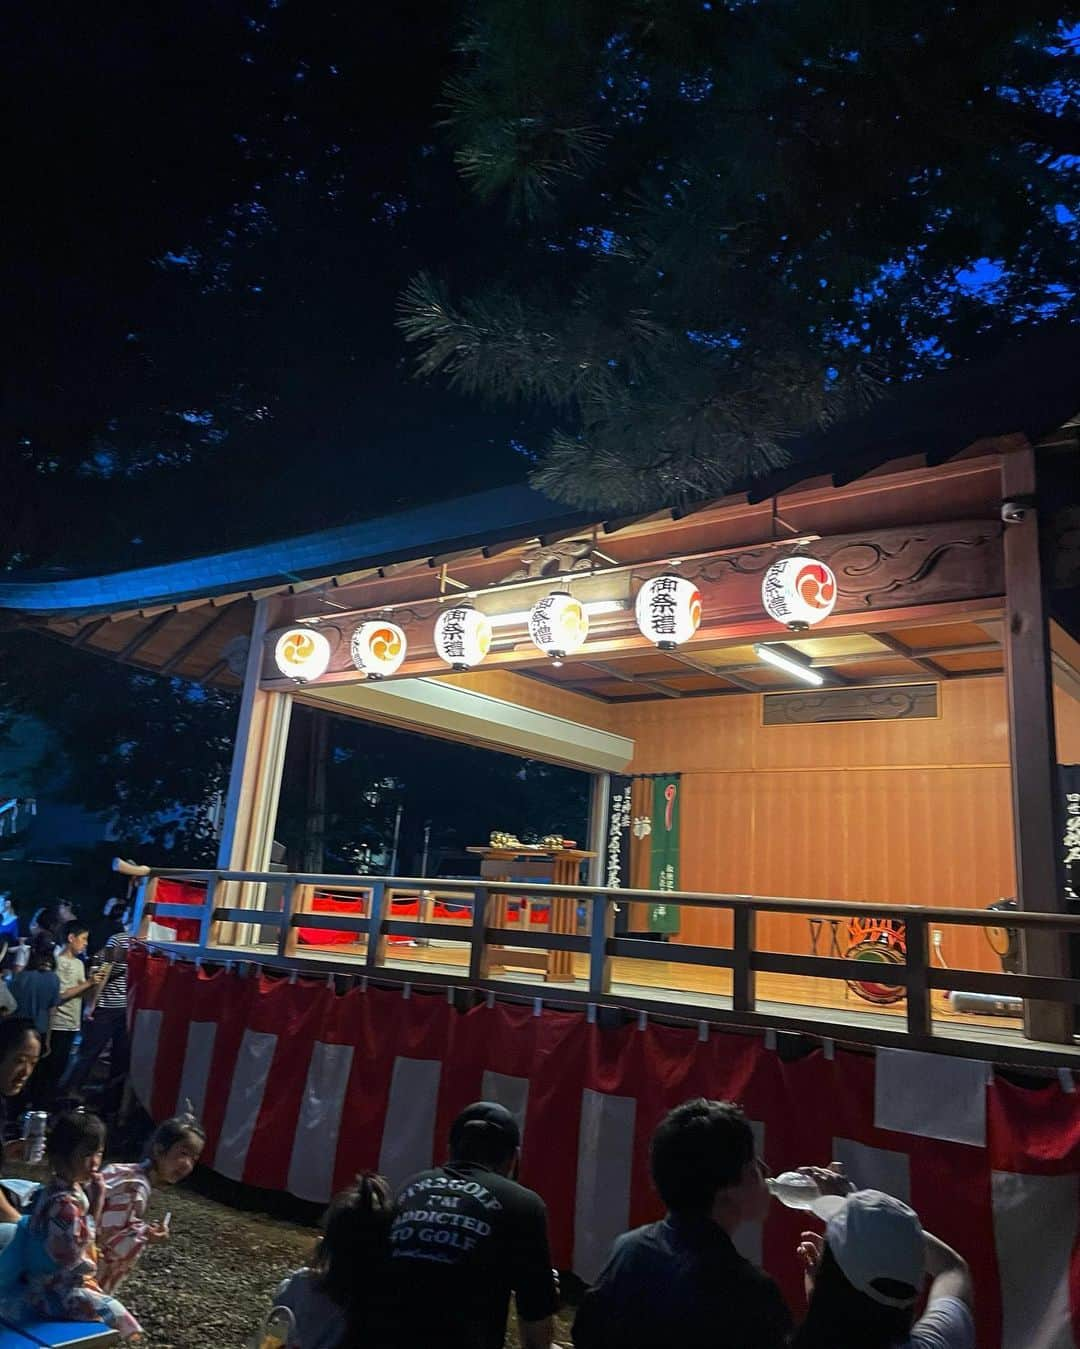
664, 859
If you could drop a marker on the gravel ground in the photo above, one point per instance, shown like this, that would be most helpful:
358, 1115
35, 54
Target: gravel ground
210, 1285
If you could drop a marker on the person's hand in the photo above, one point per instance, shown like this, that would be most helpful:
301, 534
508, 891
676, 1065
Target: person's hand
94, 1189
157, 1232
829, 1179
809, 1251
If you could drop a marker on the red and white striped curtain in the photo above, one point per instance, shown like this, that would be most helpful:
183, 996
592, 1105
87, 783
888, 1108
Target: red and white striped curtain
298, 1088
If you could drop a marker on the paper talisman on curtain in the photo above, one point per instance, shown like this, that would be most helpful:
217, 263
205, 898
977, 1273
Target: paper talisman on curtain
664, 859
617, 853
1070, 801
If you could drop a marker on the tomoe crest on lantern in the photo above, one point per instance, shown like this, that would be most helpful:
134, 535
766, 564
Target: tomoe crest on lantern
302, 653
462, 636
799, 591
558, 624
668, 610
378, 648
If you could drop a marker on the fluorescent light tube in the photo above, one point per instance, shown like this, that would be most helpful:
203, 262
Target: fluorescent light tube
786, 663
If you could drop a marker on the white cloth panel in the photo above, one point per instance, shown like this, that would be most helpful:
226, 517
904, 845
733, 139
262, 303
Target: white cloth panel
931, 1095
511, 1092
314, 1154
875, 1168
245, 1101
145, 1034
748, 1238
1035, 1220
198, 1057
605, 1156
409, 1126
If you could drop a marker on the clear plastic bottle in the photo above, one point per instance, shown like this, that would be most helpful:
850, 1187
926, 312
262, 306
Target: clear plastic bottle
794, 1189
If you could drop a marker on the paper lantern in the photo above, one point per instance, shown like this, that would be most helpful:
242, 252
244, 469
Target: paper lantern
378, 648
558, 624
668, 610
462, 636
302, 653
798, 591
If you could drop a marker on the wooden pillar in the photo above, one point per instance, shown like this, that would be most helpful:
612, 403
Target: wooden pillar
315, 830
262, 733
1032, 743
599, 810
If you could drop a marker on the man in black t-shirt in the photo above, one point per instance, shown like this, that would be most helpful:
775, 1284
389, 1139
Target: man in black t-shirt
464, 1236
681, 1282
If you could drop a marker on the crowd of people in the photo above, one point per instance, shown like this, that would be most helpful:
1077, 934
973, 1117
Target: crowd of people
437, 1264
68, 1243
68, 977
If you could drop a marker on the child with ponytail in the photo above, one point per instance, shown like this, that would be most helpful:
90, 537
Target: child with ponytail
50, 1266
123, 1232
324, 1298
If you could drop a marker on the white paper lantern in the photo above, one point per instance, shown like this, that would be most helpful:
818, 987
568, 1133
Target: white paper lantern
462, 636
668, 610
799, 591
378, 648
302, 653
558, 624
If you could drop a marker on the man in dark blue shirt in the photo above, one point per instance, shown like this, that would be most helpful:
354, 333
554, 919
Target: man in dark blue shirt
681, 1281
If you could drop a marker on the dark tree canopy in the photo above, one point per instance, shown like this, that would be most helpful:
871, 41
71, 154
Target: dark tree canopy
212, 208
737, 222
676, 232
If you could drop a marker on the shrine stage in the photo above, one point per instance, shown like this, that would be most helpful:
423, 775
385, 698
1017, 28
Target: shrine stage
674, 990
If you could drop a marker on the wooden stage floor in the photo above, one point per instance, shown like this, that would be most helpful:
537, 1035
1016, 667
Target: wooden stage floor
671, 984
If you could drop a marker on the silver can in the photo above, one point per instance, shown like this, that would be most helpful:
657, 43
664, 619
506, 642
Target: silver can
33, 1131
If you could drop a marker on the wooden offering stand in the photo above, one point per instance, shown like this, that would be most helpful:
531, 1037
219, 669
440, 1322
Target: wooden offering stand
558, 866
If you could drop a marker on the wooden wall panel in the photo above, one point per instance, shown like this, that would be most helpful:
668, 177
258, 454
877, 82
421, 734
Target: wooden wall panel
1067, 720
894, 812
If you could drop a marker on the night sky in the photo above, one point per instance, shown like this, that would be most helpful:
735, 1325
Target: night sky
212, 209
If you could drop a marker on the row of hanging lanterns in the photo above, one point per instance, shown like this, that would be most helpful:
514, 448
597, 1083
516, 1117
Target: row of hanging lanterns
796, 591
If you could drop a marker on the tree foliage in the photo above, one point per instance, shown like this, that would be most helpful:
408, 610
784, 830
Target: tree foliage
738, 220
149, 754
461, 791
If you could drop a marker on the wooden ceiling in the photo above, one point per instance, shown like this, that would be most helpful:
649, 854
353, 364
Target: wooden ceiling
203, 637
961, 650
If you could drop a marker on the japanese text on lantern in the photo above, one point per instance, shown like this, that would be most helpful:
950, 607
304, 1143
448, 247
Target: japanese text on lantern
453, 631
662, 602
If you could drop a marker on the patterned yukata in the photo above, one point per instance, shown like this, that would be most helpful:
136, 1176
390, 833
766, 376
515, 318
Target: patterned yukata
122, 1232
58, 1281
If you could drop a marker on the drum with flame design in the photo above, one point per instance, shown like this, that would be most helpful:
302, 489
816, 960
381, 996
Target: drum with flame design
378, 648
877, 941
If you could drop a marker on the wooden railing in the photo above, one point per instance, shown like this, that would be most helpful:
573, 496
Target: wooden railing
239, 909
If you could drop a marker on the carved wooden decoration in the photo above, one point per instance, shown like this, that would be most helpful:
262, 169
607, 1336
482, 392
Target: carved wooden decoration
555, 559
876, 572
889, 569
899, 702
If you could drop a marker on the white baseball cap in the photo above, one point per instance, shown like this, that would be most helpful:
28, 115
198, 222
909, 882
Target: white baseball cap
874, 1237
